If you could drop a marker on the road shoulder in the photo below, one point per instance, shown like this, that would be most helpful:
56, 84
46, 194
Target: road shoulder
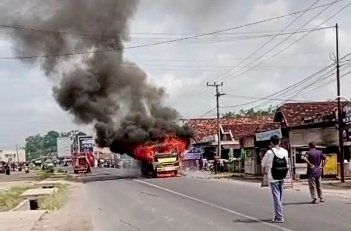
73, 216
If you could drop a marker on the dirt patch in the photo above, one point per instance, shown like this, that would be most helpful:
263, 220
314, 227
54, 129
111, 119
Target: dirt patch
72, 217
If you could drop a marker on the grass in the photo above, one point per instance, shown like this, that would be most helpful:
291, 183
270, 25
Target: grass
56, 200
42, 175
11, 198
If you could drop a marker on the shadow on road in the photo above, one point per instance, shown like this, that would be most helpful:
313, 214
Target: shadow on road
107, 174
251, 221
297, 203
87, 179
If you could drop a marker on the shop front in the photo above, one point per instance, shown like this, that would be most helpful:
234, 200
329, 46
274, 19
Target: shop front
325, 139
210, 146
252, 159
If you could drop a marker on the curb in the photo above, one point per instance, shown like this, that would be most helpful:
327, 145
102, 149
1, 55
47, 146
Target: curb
19, 206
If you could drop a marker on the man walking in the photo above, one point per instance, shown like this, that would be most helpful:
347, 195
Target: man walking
275, 164
316, 161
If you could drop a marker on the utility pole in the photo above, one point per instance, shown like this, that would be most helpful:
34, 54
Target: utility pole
17, 154
340, 119
218, 95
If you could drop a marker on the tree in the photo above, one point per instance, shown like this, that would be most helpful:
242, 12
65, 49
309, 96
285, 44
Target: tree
270, 111
50, 142
34, 146
37, 145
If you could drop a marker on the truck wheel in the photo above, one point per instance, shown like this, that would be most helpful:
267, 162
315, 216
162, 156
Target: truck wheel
154, 174
75, 171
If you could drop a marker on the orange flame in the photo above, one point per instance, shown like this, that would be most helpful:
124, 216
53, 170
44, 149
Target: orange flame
170, 144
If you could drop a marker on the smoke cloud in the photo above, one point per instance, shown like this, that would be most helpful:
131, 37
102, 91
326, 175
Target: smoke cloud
99, 87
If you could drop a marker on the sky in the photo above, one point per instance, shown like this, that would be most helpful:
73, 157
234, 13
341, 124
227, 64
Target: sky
183, 68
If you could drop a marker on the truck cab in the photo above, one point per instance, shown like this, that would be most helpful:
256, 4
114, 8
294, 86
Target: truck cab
80, 164
163, 165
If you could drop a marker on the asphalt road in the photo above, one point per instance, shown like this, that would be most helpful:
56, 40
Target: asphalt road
192, 204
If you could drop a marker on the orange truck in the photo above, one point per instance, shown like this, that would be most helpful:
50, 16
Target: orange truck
82, 162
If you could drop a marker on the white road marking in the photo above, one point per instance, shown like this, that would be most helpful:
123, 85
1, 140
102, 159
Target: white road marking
214, 206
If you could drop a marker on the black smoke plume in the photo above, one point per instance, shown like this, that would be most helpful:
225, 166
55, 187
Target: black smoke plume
97, 87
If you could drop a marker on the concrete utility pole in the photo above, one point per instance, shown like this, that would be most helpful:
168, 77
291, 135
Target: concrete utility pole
218, 95
17, 154
340, 119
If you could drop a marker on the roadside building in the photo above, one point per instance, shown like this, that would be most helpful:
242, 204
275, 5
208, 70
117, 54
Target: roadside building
13, 155
231, 131
302, 123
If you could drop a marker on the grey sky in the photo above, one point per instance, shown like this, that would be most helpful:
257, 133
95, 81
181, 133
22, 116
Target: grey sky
184, 67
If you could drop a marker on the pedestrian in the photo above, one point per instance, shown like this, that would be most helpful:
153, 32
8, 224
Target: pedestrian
275, 164
216, 164
315, 160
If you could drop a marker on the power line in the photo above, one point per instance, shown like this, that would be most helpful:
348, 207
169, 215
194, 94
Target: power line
291, 87
208, 112
285, 48
268, 41
212, 59
299, 39
321, 84
238, 38
281, 42
252, 97
300, 92
156, 43
283, 90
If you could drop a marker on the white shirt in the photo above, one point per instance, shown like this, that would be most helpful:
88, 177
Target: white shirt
267, 160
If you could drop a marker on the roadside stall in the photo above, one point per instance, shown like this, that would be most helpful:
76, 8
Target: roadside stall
192, 159
262, 145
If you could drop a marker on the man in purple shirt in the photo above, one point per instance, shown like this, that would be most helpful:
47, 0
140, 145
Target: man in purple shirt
316, 161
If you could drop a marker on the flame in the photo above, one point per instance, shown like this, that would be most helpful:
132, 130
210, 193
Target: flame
170, 144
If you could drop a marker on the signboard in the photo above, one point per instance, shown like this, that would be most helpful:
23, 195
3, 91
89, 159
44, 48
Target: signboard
194, 154
86, 143
208, 139
262, 136
63, 146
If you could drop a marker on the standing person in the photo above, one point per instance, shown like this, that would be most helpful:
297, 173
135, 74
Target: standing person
315, 160
216, 164
275, 164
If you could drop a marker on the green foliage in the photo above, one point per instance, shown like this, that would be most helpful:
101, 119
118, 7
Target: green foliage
56, 200
37, 145
34, 146
270, 111
11, 198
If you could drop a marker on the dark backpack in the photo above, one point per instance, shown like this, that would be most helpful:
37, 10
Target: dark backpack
279, 168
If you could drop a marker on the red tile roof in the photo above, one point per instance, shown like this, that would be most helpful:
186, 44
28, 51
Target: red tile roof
295, 113
268, 126
241, 130
238, 126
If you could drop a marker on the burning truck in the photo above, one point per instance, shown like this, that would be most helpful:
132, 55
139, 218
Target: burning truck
101, 87
161, 159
